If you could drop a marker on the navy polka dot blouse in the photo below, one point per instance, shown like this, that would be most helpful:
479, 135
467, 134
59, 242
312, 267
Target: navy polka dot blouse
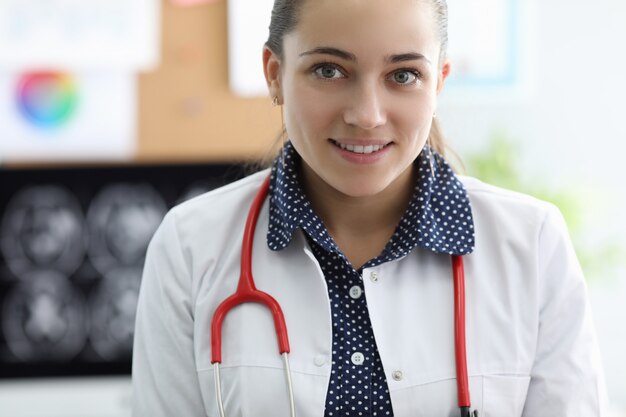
438, 218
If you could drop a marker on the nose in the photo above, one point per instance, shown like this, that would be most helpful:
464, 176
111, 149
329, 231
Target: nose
365, 108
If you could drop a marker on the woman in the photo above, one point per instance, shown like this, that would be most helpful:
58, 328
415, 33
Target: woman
354, 243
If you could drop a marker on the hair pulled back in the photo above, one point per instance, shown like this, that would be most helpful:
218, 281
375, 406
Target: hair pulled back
285, 18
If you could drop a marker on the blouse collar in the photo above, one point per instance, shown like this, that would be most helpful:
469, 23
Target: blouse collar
438, 218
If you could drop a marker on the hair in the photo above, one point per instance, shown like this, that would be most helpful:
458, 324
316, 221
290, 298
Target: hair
285, 18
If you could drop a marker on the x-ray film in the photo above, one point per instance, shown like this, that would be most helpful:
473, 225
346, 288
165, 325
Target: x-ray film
72, 248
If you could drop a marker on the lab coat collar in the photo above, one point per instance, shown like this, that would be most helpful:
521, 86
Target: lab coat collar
439, 217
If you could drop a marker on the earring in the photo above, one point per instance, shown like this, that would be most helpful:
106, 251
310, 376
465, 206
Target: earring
275, 101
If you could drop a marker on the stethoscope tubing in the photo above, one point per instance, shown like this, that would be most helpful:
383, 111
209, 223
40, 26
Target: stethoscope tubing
459, 332
247, 292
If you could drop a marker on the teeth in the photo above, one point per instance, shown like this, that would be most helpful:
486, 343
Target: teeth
361, 149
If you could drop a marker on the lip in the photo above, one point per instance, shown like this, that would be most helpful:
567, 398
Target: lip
361, 141
361, 158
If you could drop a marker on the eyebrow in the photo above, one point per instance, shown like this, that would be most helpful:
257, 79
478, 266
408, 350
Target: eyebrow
393, 59
411, 56
323, 50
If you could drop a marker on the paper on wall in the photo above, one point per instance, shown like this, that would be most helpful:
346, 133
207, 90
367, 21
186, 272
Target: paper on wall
79, 34
248, 23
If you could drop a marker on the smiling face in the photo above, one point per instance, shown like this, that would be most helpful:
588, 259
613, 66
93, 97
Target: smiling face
359, 82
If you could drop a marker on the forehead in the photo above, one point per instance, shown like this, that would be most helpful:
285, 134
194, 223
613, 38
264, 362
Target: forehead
366, 24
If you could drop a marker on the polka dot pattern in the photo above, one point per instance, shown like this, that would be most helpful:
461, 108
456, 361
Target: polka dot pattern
438, 218
358, 386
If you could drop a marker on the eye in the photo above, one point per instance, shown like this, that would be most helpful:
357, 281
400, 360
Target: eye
405, 77
328, 72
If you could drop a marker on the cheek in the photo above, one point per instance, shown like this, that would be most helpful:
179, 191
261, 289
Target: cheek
309, 110
415, 116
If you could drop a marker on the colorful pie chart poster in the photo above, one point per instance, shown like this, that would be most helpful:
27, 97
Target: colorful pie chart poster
64, 116
47, 99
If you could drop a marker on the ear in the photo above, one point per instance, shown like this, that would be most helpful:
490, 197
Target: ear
443, 74
271, 69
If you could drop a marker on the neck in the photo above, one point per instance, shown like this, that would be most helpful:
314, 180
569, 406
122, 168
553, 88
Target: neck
361, 226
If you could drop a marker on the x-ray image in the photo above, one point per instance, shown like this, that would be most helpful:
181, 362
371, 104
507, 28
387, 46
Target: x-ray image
72, 248
122, 218
43, 228
43, 317
112, 310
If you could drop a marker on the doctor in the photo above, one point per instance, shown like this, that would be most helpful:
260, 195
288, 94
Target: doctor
354, 242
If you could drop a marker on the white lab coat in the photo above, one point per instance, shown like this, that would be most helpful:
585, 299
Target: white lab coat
531, 348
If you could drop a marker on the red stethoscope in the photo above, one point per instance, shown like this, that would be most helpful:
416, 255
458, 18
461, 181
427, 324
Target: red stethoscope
247, 293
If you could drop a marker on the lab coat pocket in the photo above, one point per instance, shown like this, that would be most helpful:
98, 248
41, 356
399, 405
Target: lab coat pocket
434, 398
253, 391
504, 395
246, 391
491, 395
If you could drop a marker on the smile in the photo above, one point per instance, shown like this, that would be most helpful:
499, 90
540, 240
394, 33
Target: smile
359, 149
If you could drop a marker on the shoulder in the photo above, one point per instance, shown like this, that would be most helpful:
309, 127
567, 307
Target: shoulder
480, 191
489, 200
504, 216
231, 194
521, 240
215, 215
221, 203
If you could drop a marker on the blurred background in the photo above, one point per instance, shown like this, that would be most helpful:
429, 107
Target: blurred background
113, 111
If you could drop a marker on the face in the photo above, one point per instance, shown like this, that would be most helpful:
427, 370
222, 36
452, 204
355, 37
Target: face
359, 81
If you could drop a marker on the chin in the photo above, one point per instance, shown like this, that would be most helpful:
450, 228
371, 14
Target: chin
360, 187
